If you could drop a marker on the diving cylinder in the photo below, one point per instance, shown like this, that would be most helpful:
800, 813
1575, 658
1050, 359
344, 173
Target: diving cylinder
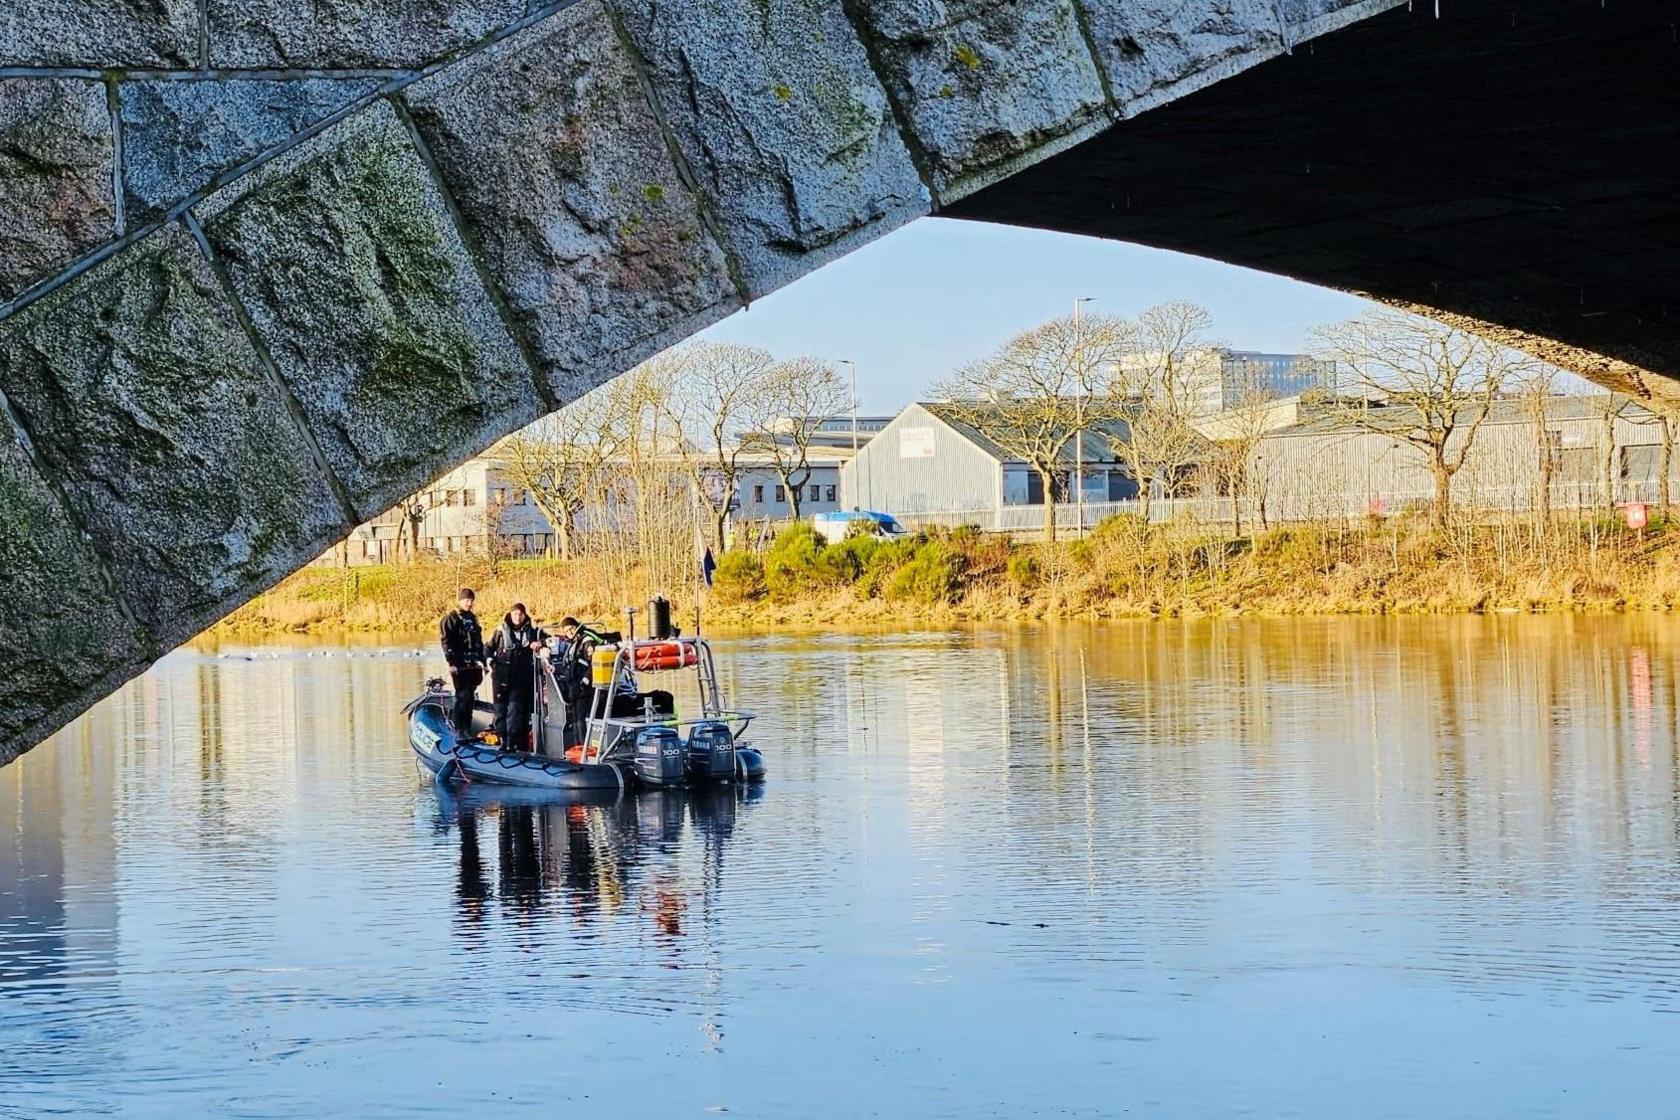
659, 618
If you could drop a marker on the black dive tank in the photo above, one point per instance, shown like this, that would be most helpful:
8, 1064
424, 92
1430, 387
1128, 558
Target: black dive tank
660, 756
659, 618
711, 752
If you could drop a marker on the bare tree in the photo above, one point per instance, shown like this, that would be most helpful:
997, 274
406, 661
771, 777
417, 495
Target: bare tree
561, 461
798, 396
1236, 434
1608, 408
1435, 383
1665, 456
644, 505
498, 546
1170, 377
718, 390
1537, 393
1044, 387
413, 516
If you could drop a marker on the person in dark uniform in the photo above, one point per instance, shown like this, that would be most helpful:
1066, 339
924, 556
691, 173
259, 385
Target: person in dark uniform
572, 673
463, 649
513, 649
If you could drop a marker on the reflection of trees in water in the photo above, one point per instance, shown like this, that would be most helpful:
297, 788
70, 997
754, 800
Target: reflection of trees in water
1479, 754
582, 862
1481, 749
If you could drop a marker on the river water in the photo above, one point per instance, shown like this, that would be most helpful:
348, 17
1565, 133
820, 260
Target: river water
1321, 869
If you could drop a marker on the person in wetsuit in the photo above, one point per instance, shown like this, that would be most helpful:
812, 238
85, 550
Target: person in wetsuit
463, 649
513, 648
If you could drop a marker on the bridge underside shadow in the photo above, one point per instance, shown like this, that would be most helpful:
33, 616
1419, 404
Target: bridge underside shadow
1513, 164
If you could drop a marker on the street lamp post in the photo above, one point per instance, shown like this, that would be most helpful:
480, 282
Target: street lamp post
853, 366
1079, 435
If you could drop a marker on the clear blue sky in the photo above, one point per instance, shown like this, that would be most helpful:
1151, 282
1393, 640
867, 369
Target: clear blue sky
921, 301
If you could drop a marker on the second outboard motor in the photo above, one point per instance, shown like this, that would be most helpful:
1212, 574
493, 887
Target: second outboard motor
711, 752
660, 756
659, 619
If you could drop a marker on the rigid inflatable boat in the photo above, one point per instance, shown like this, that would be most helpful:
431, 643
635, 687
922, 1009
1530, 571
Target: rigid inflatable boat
614, 735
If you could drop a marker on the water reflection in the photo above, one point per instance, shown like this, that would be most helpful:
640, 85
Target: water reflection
576, 860
1321, 868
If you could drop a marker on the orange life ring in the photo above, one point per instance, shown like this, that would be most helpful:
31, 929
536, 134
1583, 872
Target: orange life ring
665, 655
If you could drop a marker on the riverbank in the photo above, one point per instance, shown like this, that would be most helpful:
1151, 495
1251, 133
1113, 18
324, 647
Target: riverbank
1121, 570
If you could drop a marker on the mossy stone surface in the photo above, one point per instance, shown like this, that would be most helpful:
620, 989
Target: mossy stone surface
60, 626
349, 265
148, 406
1150, 47
178, 135
99, 33
349, 33
549, 147
788, 130
56, 195
985, 82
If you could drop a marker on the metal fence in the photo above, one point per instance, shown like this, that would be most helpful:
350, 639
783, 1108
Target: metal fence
1030, 519
1025, 520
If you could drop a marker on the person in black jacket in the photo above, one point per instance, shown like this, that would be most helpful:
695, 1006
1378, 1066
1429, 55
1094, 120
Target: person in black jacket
463, 649
572, 673
513, 650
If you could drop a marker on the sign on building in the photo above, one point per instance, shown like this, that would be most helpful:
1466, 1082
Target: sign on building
915, 443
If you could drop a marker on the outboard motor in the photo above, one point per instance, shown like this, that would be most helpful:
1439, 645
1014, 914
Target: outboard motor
659, 756
711, 752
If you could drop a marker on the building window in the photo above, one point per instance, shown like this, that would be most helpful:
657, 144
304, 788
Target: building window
449, 497
1575, 464
758, 495
831, 493
468, 497
1640, 462
781, 494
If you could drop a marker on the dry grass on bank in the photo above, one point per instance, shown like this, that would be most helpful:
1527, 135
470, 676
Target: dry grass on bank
1123, 570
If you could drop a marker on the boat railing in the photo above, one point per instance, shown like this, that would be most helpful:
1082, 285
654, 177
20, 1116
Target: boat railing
716, 715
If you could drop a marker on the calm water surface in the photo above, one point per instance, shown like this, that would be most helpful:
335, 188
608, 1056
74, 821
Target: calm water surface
1318, 869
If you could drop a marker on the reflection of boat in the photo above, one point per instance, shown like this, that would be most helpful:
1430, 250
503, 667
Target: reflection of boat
587, 854
630, 736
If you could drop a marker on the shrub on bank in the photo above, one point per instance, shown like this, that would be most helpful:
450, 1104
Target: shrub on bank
1024, 571
933, 576
844, 562
884, 562
790, 564
739, 578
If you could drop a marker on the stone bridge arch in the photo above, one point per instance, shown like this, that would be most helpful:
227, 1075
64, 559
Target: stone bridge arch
264, 275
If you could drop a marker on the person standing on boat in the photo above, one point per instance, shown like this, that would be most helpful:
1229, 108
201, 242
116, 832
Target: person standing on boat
463, 649
513, 649
572, 673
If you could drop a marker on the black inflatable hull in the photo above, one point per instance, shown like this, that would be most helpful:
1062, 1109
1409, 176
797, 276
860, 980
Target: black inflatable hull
749, 764
439, 749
